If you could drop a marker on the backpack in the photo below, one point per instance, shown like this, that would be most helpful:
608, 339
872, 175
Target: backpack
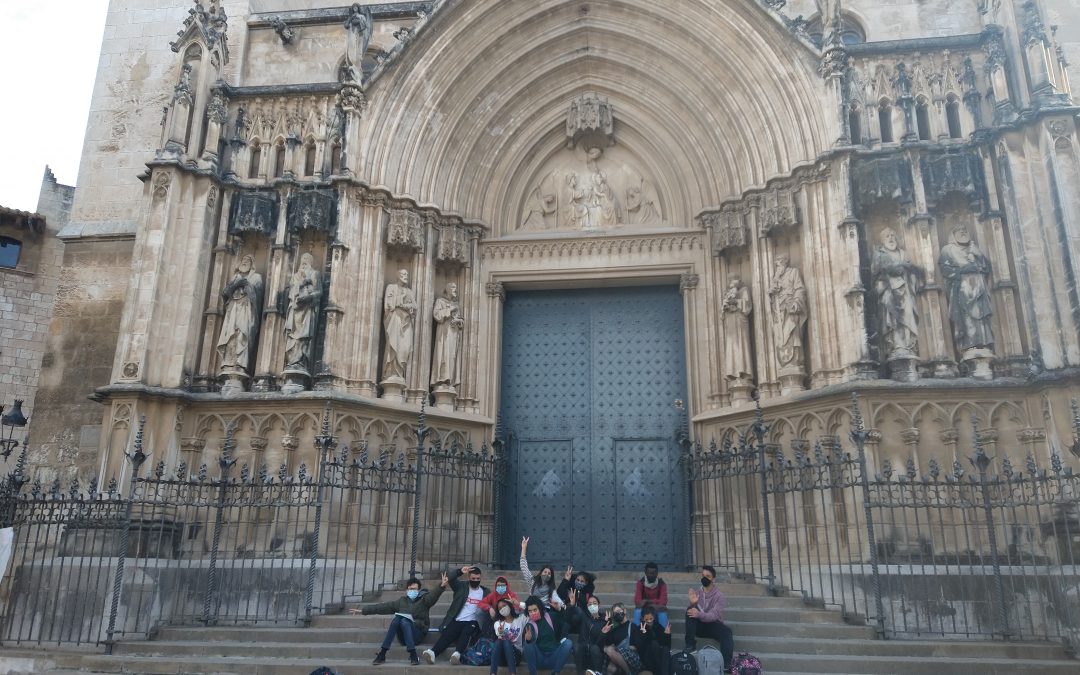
684, 663
746, 664
323, 670
480, 653
709, 660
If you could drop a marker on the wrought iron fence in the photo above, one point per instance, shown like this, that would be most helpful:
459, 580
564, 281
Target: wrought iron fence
990, 553
196, 546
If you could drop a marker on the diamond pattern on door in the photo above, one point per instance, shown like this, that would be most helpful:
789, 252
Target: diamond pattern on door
580, 370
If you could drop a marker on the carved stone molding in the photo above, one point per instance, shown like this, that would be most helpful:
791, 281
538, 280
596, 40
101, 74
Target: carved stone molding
951, 173
590, 122
587, 247
729, 230
688, 282
453, 246
254, 212
496, 289
162, 181
779, 211
405, 231
883, 179
314, 210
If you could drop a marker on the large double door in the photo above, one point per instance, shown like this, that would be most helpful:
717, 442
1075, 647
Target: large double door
589, 382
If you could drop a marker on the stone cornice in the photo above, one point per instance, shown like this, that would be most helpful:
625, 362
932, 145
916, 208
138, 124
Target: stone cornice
668, 242
314, 17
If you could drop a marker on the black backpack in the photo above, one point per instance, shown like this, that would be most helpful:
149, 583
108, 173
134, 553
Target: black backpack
683, 663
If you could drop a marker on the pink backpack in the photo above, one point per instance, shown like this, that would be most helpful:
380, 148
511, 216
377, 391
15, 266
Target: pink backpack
746, 664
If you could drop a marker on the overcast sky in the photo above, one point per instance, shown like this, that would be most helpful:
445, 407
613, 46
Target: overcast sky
50, 54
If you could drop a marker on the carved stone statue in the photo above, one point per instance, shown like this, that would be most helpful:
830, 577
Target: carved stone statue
896, 281
967, 276
788, 295
240, 326
304, 295
577, 207
359, 25
399, 324
604, 206
737, 307
641, 208
448, 326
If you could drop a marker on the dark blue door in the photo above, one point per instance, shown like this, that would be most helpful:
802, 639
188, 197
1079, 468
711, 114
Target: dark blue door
589, 382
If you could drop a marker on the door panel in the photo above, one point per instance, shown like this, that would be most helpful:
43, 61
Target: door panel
580, 370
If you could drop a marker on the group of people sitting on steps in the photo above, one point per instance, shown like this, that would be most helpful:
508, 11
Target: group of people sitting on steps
556, 621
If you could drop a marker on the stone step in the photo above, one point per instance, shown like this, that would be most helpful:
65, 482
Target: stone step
795, 614
675, 602
362, 650
773, 663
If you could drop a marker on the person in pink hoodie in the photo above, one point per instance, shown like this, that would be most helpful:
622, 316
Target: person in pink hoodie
705, 617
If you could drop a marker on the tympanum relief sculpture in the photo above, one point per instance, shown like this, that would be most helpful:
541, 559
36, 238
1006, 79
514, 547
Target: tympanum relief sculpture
240, 326
305, 293
399, 326
591, 185
967, 278
449, 323
896, 282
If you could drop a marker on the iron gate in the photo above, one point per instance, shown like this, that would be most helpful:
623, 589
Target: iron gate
589, 380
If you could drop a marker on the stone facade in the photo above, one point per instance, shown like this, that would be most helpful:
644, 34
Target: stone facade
28, 291
357, 162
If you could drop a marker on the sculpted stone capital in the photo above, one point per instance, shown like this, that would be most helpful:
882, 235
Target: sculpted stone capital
496, 289
290, 443
688, 282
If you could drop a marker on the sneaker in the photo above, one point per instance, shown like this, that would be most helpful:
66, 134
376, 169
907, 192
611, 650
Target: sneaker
455, 659
429, 656
414, 660
379, 658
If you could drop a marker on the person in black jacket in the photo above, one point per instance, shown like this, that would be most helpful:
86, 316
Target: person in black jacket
651, 642
582, 582
588, 624
410, 622
462, 621
616, 632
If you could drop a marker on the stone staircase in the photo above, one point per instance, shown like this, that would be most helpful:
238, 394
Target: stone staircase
786, 635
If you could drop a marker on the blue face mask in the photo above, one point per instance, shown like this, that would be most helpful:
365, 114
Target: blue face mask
500, 589
412, 594
580, 585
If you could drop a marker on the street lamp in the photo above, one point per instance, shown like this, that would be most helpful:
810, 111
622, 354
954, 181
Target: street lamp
8, 422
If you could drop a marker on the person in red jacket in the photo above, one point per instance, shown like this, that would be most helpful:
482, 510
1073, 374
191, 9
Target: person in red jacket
651, 590
490, 603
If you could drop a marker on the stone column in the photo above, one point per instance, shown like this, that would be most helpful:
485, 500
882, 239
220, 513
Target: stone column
206, 370
496, 296
270, 359
911, 440
419, 375
367, 296
933, 313
696, 348
472, 294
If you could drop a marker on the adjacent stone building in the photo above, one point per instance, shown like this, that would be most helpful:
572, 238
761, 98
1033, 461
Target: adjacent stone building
572, 214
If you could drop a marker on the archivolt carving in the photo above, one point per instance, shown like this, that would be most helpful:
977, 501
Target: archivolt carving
567, 249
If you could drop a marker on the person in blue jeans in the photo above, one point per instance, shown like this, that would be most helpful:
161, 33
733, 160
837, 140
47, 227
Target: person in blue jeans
546, 646
410, 622
509, 630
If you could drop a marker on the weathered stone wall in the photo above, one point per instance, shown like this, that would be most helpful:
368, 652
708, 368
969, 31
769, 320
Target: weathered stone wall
27, 294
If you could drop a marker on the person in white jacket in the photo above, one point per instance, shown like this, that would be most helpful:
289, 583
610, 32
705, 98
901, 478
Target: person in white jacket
509, 630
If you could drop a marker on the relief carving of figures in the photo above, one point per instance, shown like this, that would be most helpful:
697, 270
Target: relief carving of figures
641, 208
896, 281
399, 323
448, 326
737, 307
304, 295
967, 276
788, 295
240, 327
577, 207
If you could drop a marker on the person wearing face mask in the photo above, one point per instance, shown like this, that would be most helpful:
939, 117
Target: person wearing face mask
509, 630
410, 623
541, 584
651, 590
651, 642
491, 600
705, 617
587, 622
582, 582
616, 642
545, 644
462, 621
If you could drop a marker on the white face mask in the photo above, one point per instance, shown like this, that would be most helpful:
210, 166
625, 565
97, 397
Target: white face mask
594, 609
505, 611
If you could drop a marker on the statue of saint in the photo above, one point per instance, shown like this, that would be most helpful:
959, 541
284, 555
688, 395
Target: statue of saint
577, 210
399, 323
737, 306
967, 276
788, 294
448, 326
604, 205
896, 281
240, 327
304, 295
360, 26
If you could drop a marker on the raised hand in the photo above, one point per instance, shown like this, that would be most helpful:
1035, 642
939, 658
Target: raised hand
667, 630
569, 572
693, 595
528, 632
524, 544
465, 569
573, 597
607, 616
445, 583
